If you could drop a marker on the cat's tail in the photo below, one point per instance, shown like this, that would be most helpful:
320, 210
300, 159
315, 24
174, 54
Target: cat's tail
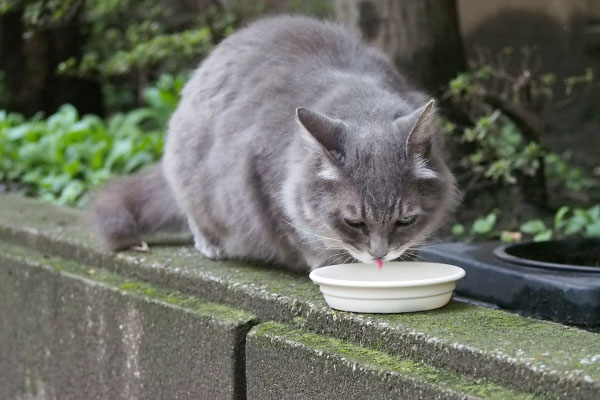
129, 207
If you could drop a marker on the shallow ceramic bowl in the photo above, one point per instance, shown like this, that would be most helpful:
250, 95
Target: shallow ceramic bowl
395, 288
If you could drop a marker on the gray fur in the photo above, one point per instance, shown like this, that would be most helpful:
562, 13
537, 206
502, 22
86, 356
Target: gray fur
288, 128
129, 207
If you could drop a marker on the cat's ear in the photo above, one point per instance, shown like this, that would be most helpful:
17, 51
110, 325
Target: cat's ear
322, 132
421, 125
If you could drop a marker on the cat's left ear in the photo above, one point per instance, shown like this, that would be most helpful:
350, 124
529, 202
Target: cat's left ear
322, 132
421, 125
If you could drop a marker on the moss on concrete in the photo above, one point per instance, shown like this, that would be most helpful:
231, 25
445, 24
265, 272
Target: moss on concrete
139, 341
185, 301
545, 345
138, 288
372, 359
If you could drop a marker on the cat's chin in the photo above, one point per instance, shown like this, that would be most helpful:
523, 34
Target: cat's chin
363, 258
366, 258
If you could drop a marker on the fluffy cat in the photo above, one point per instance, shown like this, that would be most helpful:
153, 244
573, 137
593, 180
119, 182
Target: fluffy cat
294, 142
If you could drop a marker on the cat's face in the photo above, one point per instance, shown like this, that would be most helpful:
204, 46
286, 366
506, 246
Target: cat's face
374, 195
375, 222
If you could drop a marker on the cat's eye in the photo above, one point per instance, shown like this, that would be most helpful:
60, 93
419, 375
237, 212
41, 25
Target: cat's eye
353, 223
406, 220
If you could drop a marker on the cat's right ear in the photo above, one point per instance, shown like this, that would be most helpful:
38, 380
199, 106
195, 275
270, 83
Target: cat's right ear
421, 126
322, 133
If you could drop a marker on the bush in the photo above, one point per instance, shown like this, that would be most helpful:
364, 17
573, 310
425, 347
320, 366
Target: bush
119, 45
500, 130
507, 175
568, 221
62, 157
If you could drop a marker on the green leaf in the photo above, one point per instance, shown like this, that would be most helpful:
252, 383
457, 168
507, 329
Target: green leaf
71, 192
593, 230
542, 236
137, 161
18, 132
575, 224
533, 227
559, 217
485, 225
594, 212
72, 168
458, 229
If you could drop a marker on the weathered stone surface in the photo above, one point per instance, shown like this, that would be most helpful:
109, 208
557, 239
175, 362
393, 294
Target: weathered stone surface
287, 363
73, 332
528, 354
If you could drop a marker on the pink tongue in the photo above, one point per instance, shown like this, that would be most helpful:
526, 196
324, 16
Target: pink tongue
379, 263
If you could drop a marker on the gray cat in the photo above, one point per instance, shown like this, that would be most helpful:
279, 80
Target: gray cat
296, 143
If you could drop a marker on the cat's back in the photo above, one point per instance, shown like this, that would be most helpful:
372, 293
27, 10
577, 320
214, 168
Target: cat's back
297, 38
283, 51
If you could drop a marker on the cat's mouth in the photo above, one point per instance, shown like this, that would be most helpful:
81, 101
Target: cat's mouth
398, 253
367, 258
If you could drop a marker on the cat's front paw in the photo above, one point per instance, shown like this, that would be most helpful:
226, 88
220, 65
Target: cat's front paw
208, 250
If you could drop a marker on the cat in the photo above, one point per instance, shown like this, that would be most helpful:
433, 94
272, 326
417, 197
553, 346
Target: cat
296, 143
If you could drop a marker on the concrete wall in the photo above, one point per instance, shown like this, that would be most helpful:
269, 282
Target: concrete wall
77, 322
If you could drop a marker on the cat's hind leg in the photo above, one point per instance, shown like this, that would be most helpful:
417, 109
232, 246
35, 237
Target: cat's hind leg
204, 245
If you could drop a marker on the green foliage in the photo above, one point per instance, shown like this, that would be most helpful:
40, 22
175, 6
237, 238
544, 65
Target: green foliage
62, 157
141, 36
496, 147
127, 43
458, 230
480, 228
483, 226
567, 222
499, 152
163, 96
167, 51
496, 128
559, 170
537, 228
574, 81
59, 158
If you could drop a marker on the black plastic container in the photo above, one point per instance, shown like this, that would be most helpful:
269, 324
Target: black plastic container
500, 275
567, 255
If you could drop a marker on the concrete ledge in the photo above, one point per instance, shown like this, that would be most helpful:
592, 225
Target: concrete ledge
528, 355
74, 332
288, 363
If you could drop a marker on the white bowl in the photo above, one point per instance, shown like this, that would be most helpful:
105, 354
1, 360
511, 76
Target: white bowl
397, 287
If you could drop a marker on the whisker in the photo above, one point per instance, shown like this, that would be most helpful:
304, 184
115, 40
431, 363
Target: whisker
350, 258
334, 261
310, 233
412, 256
426, 241
328, 248
343, 261
338, 254
319, 239
311, 241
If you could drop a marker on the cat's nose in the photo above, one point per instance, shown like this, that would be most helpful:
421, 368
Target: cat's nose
378, 255
379, 247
